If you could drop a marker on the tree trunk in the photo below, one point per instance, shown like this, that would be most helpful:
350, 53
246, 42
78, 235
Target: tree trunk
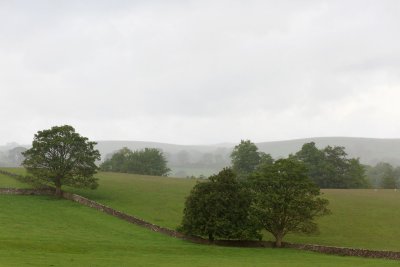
58, 188
210, 237
278, 241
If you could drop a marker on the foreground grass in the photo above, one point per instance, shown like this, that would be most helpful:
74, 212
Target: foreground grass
360, 218
43, 231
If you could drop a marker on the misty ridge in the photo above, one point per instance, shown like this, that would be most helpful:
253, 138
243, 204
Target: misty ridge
196, 160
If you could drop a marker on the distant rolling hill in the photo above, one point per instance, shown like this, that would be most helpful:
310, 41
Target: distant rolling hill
369, 150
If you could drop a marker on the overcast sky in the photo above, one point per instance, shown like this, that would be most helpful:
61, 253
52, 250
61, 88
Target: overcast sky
198, 72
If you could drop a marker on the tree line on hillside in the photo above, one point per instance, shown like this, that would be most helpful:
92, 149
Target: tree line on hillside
149, 161
383, 175
328, 167
60, 156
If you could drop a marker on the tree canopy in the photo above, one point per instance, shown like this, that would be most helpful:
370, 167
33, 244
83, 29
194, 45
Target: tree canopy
246, 158
384, 175
285, 200
60, 156
218, 208
149, 161
330, 167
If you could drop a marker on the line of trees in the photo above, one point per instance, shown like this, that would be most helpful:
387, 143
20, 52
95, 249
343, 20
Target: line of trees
328, 167
149, 161
384, 175
331, 168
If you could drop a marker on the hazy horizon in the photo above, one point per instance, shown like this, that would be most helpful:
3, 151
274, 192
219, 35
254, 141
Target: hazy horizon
12, 143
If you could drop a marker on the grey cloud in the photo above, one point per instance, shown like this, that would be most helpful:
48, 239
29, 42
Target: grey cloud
198, 72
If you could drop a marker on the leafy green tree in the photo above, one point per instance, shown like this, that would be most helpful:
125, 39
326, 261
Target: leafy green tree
357, 175
285, 199
389, 178
149, 161
314, 159
330, 167
218, 208
265, 160
246, 158
60, 156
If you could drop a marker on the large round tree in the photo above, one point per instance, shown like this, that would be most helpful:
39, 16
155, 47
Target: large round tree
60, 156
285, 199
218, 208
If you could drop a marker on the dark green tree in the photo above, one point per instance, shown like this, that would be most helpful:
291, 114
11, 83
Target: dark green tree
285, 199
246, 158
389, 178
331, 168
117, 162
149, 161
218, 208
265, 160
60, 156
357, 175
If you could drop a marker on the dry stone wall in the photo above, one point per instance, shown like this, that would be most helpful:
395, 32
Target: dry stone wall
392, 255
19, 191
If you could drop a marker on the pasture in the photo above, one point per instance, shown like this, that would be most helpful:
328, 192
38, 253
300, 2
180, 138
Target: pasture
44, 231
360, 218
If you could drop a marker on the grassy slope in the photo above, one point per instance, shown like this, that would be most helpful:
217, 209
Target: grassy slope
43, 231
361, 218
6, 181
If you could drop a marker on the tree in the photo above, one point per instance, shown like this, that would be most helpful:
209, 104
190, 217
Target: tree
149, 161
285, 199
357, 175
218, 208
60, 156
265, 160
245, 158
330, 167
314, 159
389, 178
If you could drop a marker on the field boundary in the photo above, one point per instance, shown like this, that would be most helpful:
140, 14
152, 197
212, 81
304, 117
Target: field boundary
342, 251
27, 191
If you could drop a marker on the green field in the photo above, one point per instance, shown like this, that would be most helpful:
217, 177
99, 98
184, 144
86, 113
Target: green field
7, 182
43, 231
360, 218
